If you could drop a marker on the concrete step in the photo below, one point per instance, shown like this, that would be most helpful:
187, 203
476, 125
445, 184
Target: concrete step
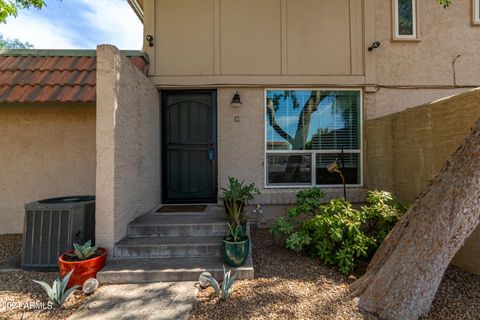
168, 247
155, 270
171, 247
157, 225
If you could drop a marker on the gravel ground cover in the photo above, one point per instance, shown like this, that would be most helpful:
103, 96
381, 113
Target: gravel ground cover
288, 285
19, 294
10, 245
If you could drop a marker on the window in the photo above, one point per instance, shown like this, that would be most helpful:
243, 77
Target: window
476, 12
306, 130
405, 20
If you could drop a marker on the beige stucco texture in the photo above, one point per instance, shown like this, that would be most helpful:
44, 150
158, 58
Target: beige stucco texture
407, 149
46, 151
128, 170
241, 136
443, 34
424, 68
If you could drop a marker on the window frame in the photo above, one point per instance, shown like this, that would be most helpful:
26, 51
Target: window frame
395, 15
476, 13
313, 153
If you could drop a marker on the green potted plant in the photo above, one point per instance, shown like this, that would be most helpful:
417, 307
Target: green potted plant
235, 244
85, 261
239, 193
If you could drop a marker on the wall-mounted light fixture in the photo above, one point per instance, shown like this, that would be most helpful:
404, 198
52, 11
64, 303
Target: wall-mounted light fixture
149, 38
374, 45
236, 102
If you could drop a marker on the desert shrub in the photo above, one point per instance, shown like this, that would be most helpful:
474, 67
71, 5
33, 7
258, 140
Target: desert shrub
337, 233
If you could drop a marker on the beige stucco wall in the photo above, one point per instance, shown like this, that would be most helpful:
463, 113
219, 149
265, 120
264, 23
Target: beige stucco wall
45, 151
128, 142
427, 64
407, 149
444, 34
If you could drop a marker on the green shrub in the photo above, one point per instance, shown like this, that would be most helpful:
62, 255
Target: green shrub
336, 232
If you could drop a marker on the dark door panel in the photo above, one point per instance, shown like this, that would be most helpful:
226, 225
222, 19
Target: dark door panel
188, 146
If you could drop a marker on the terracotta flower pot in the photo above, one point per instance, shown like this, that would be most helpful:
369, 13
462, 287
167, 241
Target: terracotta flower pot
84, 270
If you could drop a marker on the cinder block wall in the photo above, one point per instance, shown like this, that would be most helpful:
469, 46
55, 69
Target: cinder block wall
405, 150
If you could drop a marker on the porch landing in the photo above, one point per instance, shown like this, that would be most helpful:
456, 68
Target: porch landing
172, 246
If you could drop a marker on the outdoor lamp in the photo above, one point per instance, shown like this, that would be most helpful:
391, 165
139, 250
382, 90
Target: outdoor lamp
236, 102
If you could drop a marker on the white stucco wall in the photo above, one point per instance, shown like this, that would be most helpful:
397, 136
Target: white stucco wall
45, 151
128, 145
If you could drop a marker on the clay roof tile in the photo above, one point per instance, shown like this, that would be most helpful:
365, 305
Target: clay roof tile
40, 76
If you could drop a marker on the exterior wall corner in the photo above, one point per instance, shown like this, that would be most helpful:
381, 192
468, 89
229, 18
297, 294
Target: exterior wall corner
128, 165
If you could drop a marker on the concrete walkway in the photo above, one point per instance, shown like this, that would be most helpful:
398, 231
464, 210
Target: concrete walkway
149, 301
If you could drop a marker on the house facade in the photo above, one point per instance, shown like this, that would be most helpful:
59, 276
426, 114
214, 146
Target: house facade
279, 52
361, 60
272, 92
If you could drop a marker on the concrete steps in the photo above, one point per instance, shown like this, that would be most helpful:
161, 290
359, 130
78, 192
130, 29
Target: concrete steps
178, 224
171, 247
155, 270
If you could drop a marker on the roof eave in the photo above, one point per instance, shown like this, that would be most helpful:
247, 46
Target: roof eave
137, 7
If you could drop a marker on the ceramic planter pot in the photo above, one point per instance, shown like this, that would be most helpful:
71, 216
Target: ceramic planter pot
235, 253
84, 270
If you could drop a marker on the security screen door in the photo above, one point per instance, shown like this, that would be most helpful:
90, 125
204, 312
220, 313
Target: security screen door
189, 159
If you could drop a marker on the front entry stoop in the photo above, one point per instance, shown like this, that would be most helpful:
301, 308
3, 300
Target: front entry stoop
173, 246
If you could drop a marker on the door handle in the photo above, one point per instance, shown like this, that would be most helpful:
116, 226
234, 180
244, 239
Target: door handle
211, 150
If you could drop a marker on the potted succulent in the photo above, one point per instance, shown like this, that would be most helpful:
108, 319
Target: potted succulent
239, 193
85, 261
235, 244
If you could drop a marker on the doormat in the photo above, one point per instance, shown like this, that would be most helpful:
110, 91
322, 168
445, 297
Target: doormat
182, 208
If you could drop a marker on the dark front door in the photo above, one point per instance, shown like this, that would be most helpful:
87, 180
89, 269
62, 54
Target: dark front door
189, 139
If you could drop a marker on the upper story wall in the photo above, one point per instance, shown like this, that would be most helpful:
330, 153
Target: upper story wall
256, 41
443, 35
308, 42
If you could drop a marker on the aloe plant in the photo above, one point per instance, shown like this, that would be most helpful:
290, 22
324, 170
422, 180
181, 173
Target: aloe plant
56, 293
83, 252
222, 291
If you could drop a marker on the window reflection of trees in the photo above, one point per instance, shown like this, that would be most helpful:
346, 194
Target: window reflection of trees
343, 107
308, 135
